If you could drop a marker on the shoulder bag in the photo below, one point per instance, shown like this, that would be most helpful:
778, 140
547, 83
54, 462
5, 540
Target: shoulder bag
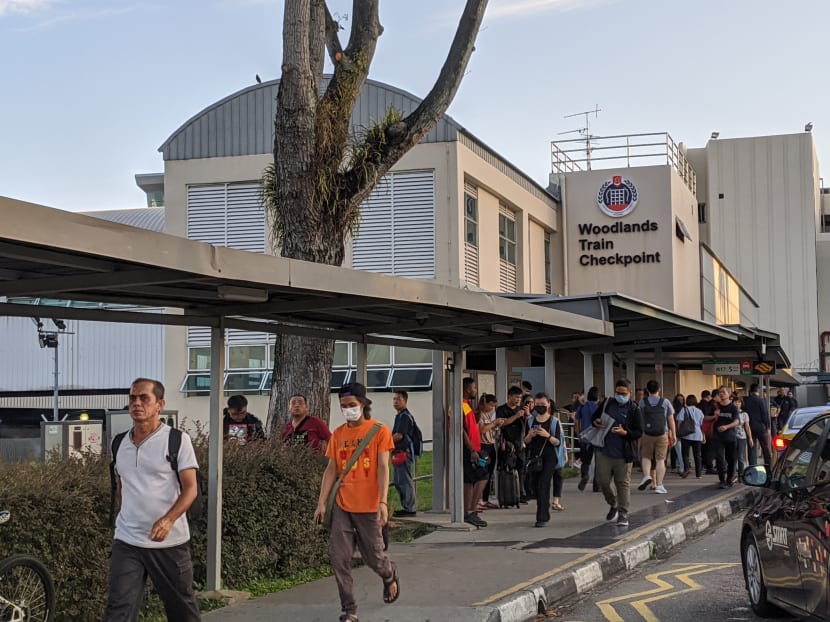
687, 424
334, 489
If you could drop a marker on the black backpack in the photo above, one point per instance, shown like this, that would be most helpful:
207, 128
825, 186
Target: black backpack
654, 417
174, 443
417, 438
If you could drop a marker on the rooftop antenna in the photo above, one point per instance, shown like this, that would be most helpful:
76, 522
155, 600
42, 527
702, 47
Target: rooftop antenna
585, 130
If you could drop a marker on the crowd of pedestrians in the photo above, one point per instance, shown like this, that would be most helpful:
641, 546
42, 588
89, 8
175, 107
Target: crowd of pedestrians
513, 453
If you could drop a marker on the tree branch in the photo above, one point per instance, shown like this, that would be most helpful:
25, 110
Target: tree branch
333, 45
402, 136
318, 35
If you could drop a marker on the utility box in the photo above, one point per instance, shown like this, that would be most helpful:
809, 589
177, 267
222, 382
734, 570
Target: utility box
71, 439
119, 421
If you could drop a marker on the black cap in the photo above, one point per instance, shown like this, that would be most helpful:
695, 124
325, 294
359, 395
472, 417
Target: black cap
353, 389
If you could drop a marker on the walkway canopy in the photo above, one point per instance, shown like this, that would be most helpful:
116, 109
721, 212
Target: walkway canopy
50, 253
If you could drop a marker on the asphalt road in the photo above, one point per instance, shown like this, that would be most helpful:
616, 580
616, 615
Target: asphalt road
702, 581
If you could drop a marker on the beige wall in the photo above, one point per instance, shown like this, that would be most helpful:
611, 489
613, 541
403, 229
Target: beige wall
495, 187
536, 254
685, 254
823, 260
661, 194
764, 230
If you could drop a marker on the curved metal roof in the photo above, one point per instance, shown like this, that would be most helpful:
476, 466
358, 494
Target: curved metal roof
243, 123
150, 218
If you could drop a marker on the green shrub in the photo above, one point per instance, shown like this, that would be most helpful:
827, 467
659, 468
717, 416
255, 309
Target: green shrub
60, 514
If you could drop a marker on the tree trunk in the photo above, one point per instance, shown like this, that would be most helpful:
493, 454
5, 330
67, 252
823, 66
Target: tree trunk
320, 178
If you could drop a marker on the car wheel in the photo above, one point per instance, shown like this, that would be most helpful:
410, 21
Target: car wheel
753, 572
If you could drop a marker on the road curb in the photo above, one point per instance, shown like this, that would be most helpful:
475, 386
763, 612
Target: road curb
524, 605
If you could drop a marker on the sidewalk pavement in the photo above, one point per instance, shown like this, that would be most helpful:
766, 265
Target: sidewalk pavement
509, 570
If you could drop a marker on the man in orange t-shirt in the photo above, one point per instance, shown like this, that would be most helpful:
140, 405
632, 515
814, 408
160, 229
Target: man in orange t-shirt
360, 510
475, 474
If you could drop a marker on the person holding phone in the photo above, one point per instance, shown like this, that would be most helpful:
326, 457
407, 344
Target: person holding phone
614, 459
546, 457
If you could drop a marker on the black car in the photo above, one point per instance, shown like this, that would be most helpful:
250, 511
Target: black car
785, 539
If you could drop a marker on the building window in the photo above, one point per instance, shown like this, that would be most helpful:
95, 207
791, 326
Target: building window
198, 359
412, 356
701, 213
471, 234
231, 215
548, 288
246, 357
507, 250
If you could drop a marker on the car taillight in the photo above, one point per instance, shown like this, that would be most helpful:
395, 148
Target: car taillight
780, 443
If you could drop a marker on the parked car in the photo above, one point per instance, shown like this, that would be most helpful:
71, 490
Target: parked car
797, 420
785, 539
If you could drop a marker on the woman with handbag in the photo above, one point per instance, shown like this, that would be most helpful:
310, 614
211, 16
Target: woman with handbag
545, 449
689, 419
353, 497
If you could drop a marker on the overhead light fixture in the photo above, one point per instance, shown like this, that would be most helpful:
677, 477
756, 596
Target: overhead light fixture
715, 135
241, 294
502, 329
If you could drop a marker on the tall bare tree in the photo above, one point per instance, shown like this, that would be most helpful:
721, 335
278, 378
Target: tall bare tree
322, 171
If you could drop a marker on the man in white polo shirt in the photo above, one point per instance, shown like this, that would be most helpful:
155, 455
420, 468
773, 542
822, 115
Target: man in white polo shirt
152, 537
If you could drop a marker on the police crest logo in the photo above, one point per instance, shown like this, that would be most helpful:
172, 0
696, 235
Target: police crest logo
617, 197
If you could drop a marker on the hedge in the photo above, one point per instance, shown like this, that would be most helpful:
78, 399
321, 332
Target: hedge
60, 514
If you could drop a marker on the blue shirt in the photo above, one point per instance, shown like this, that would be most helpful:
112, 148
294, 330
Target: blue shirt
585, 414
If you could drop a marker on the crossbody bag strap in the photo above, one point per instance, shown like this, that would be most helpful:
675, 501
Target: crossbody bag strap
362, 446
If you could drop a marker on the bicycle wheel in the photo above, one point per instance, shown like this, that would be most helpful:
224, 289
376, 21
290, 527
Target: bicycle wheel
27, 593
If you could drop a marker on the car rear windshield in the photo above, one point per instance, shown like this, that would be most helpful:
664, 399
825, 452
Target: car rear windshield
799, 419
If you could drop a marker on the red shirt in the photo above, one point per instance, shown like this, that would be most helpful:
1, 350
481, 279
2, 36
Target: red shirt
312, 431
471, 425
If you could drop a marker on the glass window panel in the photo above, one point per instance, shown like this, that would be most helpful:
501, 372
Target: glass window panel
511, 230
198, 358
196, 383
377, 378
246, 357
502, 225
377, 355
244, 382
511, 253
411, 379
412, 356
339, 378
267, 381
502, 249
272, 355
341, 354
471, 233
471, 207
795, 464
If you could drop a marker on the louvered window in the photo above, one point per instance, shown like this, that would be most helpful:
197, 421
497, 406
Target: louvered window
548, 288
471, 234
507, 250
229, 215
397, 227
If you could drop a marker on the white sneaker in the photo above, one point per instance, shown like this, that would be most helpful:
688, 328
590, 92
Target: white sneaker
660, 490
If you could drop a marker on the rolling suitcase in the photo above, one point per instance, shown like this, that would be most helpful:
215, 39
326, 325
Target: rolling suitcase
508, 488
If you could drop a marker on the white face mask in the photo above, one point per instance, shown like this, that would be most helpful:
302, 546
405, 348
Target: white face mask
352, 414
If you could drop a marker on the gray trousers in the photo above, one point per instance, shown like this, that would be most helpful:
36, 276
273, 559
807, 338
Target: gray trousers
616, 471
348, 529
171, 571
404, 484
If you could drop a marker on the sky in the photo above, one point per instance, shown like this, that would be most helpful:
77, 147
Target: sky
89, 89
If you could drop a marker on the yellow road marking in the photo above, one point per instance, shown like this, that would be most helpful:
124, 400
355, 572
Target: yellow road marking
641, 606
623, 541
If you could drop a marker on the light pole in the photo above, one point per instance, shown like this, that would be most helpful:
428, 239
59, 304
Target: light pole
49, 339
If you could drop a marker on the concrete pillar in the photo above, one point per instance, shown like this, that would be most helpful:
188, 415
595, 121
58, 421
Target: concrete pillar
501, 375
439, 431
608, 372
587, 370
215, 440
455, 455
550, 371
360, 363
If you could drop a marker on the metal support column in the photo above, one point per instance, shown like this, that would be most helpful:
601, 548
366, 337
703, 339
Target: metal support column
217, 382
501, 375
550, 371
360, 363
455, 455
587, 370
439, 431
658, 365
631, 371
608, 372
56, 387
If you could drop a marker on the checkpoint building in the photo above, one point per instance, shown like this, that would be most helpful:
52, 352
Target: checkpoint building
703, 259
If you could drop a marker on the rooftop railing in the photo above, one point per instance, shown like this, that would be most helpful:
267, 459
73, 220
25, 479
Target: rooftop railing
592, 152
